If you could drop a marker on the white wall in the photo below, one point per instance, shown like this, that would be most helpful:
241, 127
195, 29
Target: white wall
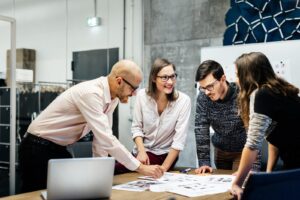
283, 55
4, 35
134, 51
56, 28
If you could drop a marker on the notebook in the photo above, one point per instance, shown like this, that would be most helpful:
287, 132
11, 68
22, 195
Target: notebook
79, 178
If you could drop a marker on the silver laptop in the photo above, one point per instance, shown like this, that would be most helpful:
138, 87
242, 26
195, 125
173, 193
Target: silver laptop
79, 178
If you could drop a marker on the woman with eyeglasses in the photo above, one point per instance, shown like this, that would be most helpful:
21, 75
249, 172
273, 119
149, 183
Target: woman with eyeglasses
269, 107
160, 119
217, 108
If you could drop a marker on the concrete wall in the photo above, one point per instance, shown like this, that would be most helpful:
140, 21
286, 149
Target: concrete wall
176, 30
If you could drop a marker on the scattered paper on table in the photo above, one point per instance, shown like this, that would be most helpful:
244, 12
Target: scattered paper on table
137, 186
183, 184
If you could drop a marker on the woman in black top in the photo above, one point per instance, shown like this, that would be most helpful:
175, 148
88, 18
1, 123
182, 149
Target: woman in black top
269, 107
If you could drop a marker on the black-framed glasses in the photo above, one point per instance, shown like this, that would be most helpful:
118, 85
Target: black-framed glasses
165, 78
134, 88
209, 87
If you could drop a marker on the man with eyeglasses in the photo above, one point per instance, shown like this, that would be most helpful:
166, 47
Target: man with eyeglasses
86, 106
217, 108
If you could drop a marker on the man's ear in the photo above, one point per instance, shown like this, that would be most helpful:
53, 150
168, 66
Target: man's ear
223, 78
119, 80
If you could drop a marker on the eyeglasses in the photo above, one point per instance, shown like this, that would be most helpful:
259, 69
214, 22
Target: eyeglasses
209, 87
165, 78
134, 88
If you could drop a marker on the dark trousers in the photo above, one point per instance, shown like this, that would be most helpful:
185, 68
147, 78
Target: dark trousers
227, 160
231, 160
154, 160
34, 154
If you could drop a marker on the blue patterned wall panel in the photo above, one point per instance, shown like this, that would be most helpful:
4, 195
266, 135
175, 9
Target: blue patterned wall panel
253, 21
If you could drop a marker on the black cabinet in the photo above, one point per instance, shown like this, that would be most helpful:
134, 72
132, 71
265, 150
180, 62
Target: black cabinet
91, 64
4, 124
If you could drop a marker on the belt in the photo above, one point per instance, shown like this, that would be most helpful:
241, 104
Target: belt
41, 141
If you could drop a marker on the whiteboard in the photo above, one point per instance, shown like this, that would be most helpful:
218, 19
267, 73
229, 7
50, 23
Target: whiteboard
283, 55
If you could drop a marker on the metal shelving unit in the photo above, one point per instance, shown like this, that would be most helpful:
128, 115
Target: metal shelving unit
4, 127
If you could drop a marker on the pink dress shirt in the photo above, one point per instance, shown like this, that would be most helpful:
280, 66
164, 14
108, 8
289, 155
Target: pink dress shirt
84, 107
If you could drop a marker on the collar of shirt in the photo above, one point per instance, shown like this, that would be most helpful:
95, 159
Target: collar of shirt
228, 94
106, 89
169, 105
106, 92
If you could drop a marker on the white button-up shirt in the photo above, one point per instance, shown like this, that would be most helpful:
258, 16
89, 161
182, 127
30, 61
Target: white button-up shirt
84, 107
160, 132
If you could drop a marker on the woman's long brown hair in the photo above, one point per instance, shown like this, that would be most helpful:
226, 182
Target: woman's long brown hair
255, 71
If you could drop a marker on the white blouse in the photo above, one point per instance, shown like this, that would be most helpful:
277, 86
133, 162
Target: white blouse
160, 132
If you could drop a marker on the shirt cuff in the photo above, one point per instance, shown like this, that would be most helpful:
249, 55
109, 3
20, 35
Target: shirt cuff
204, 162
137, 134
177, 146
133, 165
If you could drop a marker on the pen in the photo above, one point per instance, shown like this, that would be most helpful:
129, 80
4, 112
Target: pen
185, 170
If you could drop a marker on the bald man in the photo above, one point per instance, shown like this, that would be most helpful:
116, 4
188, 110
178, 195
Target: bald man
83, 107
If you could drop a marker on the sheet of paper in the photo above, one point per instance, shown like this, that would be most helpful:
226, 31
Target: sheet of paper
44, 194
137, 186
205, 185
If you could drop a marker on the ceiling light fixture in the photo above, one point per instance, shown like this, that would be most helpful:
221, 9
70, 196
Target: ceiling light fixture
94, 21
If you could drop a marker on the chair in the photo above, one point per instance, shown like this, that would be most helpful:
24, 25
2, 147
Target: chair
274, 186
